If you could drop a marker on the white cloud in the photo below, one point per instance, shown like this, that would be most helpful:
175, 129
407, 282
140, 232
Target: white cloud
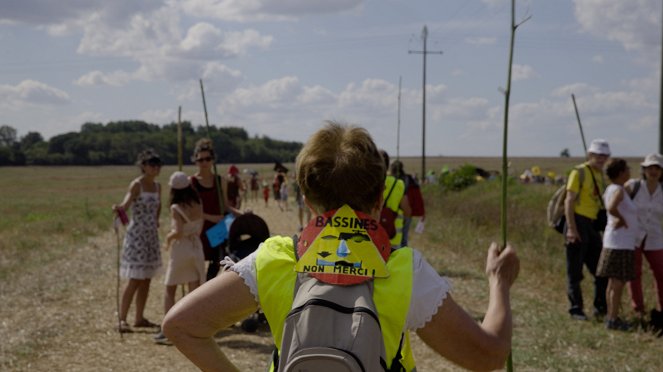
33, 93
370, 94
160, 116
263, 10
598, 58
272, 94
522, 72
576, 88
97, 77
633, 23
154, 41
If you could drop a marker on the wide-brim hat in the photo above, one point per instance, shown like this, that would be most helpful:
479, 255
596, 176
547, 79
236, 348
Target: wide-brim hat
179, 180
653, 159
599, 147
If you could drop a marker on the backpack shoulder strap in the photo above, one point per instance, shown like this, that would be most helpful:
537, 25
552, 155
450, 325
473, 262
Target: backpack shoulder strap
635, 187
596, 188
179, 210
389, 194
581, 175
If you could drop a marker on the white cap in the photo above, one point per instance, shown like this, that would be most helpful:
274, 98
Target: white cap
599, 147
179, 180
653, 159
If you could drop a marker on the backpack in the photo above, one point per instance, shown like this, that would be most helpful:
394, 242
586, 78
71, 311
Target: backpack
388, 216
555, 211
349, 339
414, 197
351, 325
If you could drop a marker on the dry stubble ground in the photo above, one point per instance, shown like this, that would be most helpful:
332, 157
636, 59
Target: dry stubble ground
66, 310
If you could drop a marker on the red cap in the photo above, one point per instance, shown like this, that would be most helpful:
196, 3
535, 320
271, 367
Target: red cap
233, 170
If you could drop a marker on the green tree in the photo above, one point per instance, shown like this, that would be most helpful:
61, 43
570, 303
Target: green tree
7, 135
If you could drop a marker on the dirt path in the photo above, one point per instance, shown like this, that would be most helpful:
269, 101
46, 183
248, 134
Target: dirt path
66, 312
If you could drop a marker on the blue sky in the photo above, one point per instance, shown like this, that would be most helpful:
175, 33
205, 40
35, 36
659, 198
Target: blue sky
281, 67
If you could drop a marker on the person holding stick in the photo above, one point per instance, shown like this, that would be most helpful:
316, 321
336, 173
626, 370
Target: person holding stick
141, 256
213, 192
340, 167
583, 242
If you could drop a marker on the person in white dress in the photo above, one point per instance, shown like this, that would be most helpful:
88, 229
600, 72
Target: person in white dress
141, 256
187, 260
619, 239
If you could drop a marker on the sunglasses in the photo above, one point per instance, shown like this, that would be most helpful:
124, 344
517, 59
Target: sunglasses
200, 160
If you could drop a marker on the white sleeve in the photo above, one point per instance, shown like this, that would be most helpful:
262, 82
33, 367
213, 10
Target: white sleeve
246, 269
429, 290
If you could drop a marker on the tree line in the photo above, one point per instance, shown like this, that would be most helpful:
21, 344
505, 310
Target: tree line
119, 142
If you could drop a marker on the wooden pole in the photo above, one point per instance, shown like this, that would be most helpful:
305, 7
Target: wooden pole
216, 175
398, 125
180, 151
582, 133
505, 174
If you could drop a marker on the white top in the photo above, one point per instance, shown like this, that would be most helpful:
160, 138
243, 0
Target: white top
650, 215
623, 237
429, 289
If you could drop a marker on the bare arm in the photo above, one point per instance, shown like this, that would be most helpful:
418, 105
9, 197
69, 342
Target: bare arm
176, 229
456, 336
572, 235
613, 203
159, 207
132, 193
193, 321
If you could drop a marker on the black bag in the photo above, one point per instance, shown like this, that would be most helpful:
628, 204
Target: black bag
601, 220
560, 224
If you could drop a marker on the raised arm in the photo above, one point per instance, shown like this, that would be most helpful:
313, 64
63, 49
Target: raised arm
194, 320
456, 336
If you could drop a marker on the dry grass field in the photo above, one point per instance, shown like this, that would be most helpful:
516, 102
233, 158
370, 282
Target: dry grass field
58, 264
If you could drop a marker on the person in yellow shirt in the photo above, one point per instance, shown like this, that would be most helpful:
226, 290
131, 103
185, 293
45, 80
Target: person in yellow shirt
583, 241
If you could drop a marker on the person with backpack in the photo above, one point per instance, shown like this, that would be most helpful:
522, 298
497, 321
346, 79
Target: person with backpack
583, 241
647, 194
414, 199
338, 297
396, 207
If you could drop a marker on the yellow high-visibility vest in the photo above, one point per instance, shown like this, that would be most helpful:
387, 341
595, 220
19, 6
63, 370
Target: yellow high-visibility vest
275, 275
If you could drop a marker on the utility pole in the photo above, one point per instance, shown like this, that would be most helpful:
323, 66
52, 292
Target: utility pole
398, 125
425, 52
